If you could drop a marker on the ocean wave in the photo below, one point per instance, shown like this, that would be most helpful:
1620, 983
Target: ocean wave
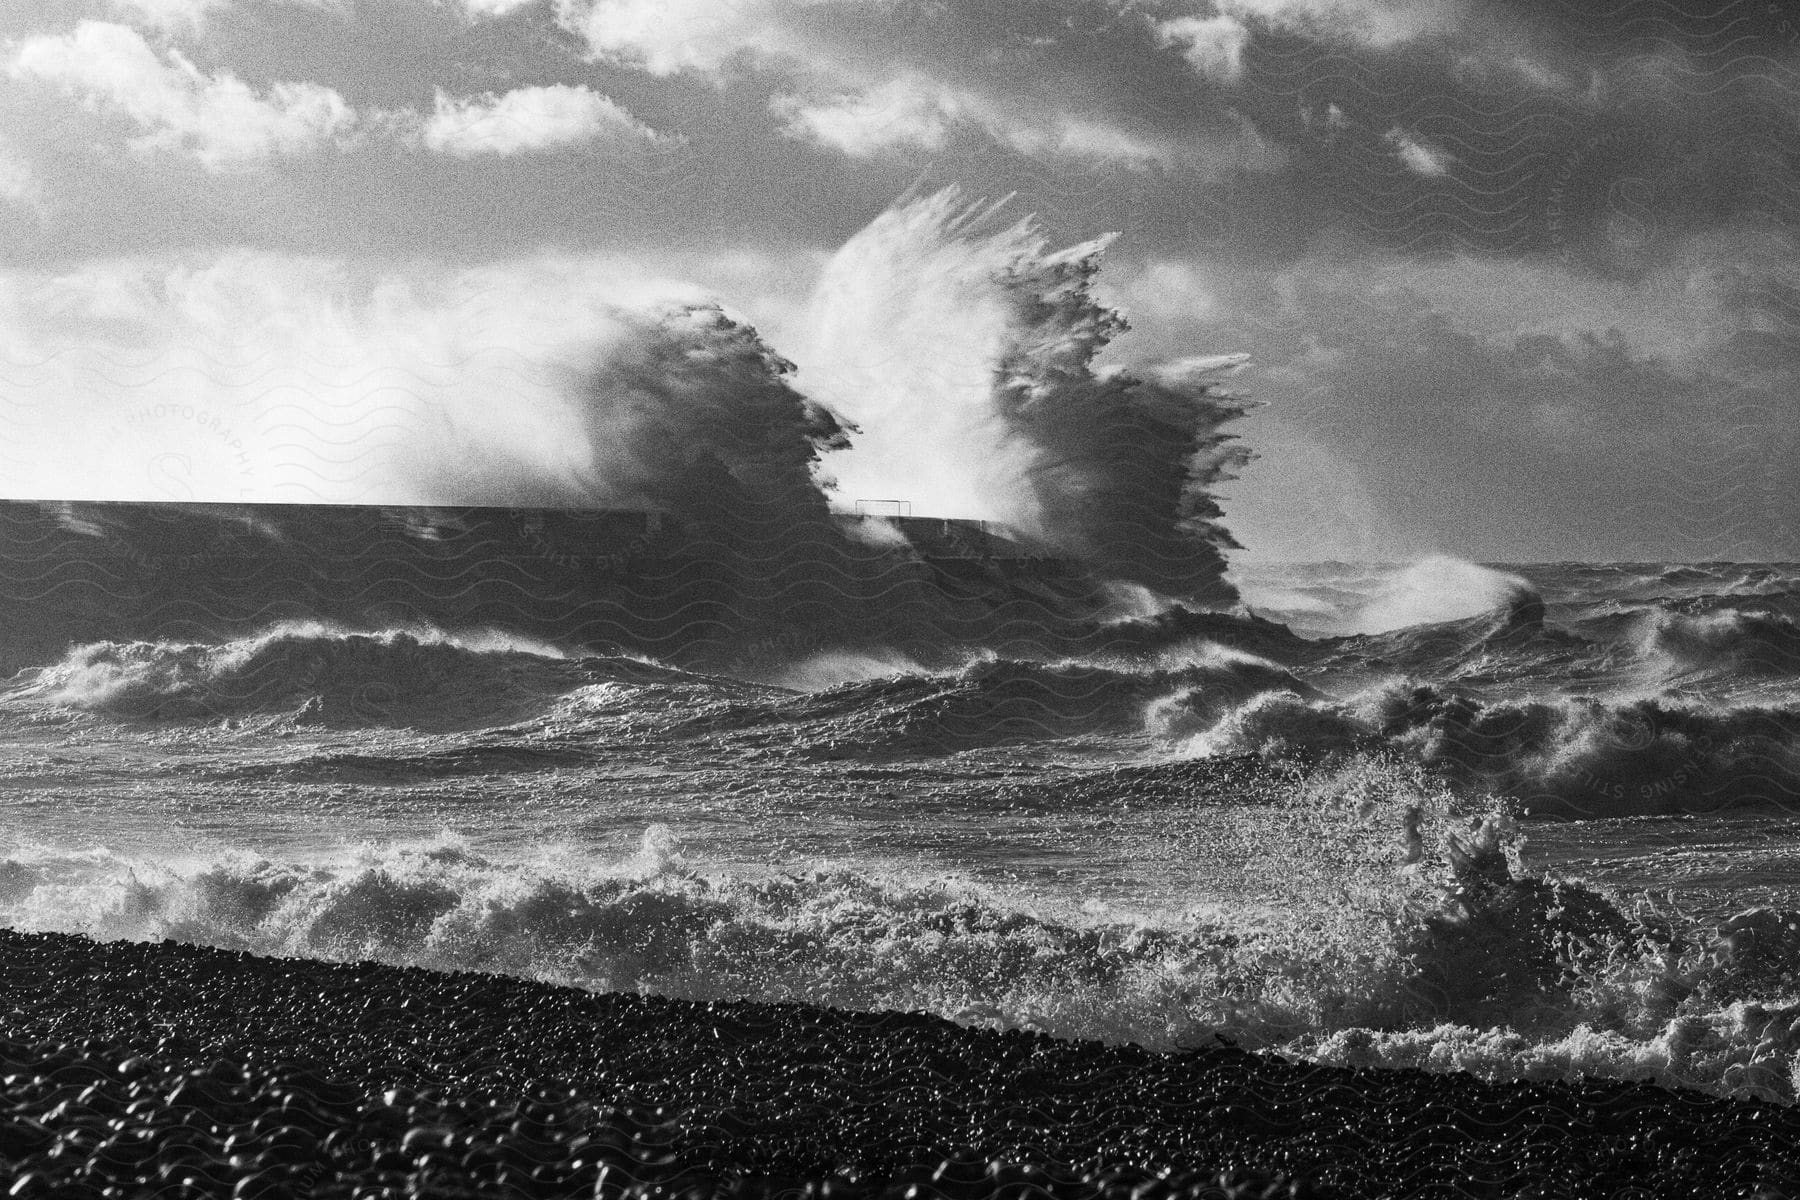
996, 702
308, 673
1512, 642
1590, 757
1438, 951
1435, 590
1721, 628
1563, 756
1720, 637
1337, 599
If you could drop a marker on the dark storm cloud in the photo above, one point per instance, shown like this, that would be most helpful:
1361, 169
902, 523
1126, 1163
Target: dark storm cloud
1507, 447
1256, 128
1522, 412
1254, 131
1285, 168
1506, 410
1601, 140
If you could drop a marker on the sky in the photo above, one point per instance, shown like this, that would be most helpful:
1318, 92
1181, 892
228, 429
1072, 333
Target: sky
1516, 280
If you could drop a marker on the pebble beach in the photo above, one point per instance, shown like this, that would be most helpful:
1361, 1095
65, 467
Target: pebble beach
136, 1069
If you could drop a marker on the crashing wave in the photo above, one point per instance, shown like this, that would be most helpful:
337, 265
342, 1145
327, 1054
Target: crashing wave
1440, 951
1721, 639
996, 702
312, 673
1564, 756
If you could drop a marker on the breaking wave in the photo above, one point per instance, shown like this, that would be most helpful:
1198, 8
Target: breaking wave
1411, 937
1435, 590
1569, 757
1717, 639
996, 701
312, 673
964, 352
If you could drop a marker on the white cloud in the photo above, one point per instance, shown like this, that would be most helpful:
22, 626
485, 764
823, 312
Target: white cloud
219, 119
225, 123
1376, 23
527, 119
1488, 48
171, 15
1419, 157
860, 79
914, 112
1213, 46
167, 14
495, 8
1500, 68
908, 111
669, 36
665, 37
19, 184
856, 77
1079, 137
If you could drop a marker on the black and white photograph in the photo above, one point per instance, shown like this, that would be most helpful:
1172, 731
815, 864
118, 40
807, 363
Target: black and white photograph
900, 599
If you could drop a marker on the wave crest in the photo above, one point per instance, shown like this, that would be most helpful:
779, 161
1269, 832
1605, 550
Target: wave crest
1567, 756
311, 672
1754, 642
997, 701
1446, 955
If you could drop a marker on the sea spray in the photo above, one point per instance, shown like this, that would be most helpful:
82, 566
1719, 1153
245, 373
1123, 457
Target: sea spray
1436, 589
965, 353
940, 339
316, 671
1461, 958
1577, 756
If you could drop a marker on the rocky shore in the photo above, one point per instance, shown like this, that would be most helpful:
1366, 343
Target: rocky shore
132, 1069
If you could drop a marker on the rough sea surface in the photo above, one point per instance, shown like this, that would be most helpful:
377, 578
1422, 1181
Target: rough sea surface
1530, 822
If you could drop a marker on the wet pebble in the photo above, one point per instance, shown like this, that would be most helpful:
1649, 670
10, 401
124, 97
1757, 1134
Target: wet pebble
176, 1070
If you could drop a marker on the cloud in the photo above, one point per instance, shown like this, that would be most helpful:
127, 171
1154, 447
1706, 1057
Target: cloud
1213, 46
167, 14
1420, 158
1077, 137
1380, 24
912, 112
1511, 444
1522, 168
867, 78
1502, 409
171, 15
19, 183
527, 119
226, 124
904, 112
219, 119
665, 37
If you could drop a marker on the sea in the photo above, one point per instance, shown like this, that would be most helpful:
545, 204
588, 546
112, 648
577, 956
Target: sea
1530, 821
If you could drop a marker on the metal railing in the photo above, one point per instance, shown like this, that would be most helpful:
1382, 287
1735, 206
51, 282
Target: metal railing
902, 508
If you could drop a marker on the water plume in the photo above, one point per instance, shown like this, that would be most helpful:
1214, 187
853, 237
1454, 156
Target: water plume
1436, 589
689, 412
966, 353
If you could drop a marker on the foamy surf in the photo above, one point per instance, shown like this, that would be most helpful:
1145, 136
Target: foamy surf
1040, 772
1467, 963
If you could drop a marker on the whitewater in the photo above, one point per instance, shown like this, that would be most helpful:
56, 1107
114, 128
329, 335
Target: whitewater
1524, 846
1098, 778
